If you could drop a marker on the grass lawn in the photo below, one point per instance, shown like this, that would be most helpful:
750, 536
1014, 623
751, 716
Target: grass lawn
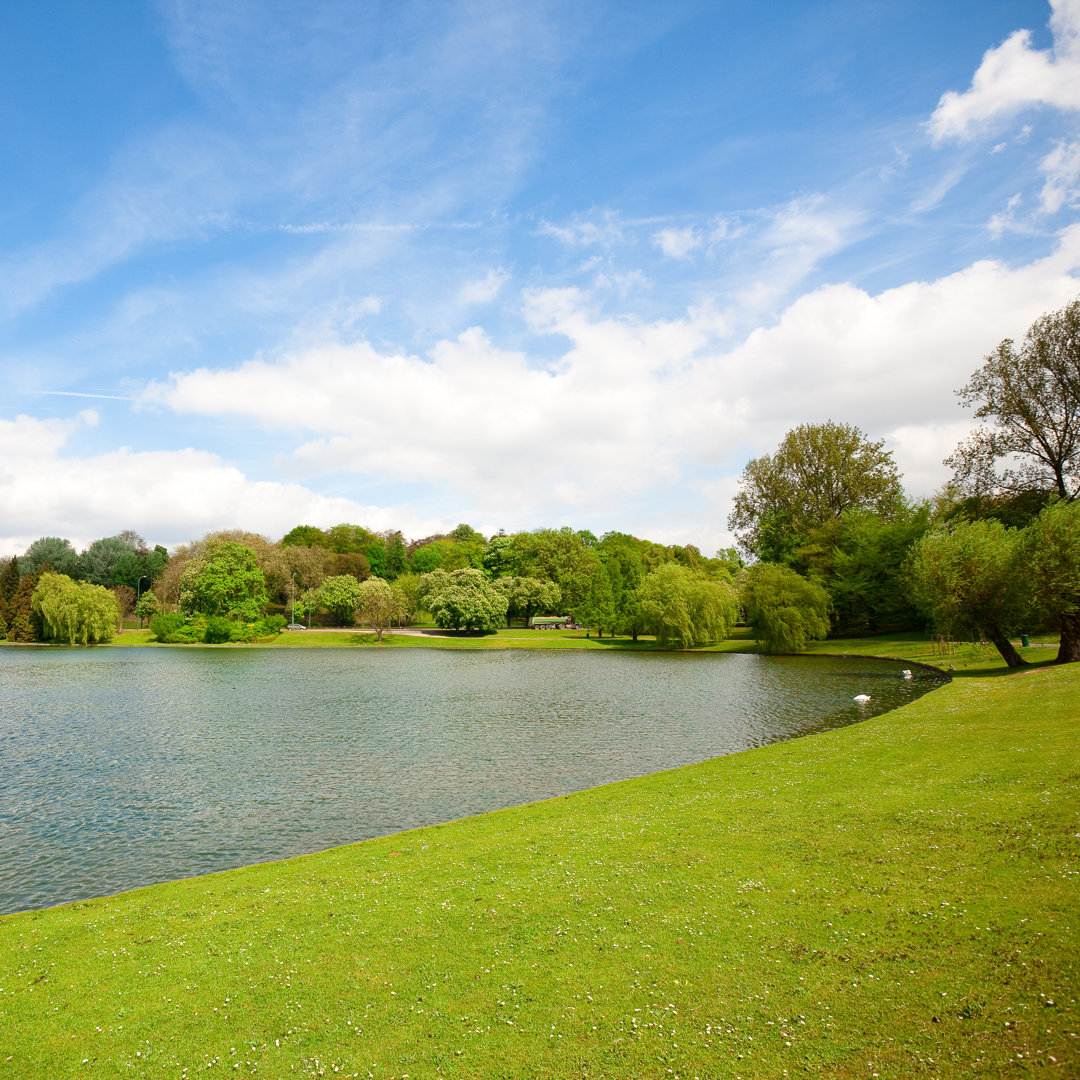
896, 899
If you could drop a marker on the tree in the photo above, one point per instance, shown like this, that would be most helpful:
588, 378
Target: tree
147, 607
227, 582
1050, 547
340, 595
463, 600
817, 472
785, 610
9, 579
684, 608
24, 622
111, 561
972, 577
74, 611
305, 536
1030, 397
598, 607
527, 595
376, 604
53, 551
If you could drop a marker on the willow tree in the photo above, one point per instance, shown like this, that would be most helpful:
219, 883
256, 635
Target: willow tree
75, 611
785, 610
973, 577
683, 608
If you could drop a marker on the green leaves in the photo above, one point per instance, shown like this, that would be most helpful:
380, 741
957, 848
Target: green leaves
786, 611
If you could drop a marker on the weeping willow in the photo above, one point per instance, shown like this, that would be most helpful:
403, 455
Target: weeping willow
75, 611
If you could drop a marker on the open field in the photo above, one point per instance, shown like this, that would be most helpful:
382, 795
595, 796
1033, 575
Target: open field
897, 898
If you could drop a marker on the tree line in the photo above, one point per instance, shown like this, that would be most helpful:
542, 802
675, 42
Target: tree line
827, 543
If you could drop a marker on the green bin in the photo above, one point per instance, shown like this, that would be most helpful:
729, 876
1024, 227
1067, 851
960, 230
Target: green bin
1025, 641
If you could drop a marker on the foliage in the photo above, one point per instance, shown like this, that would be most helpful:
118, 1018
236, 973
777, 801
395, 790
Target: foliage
1031, 399
9, 580
111, 561
528, 596
52, 551
376, 605
684, 609
147, 607
857, 559
76, 612
305, 536
168, 628
217, 631
1050, 549
972, 577
817, 472
227, 582
463, 600
785, 611
340, 595
24, 621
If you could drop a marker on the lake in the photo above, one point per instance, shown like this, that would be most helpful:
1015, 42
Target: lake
124, 767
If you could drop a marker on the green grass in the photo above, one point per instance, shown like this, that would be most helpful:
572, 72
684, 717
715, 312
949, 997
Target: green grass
898, 898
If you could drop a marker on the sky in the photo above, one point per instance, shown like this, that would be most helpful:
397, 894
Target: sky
520, 265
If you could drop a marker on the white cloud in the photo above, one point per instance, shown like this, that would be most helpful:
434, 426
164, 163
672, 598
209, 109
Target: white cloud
584, 233
485, 289
1062, 170
631, 408
677, 243
1005, 220
168, 496
1014, 76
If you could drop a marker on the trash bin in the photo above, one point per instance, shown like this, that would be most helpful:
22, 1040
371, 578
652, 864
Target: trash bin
1025, 641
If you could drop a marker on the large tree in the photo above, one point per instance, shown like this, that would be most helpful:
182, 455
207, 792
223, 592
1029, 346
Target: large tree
376, 604
1050, 548
817, 472
972, 577
75, 612
463, 600
340, 595
1030, 399
52, 551
526, 596
683, 608
225, 582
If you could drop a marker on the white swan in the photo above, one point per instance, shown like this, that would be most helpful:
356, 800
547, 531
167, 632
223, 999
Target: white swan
905, 674
862, 699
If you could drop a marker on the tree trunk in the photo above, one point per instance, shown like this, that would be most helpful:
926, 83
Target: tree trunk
1004, 646
1069, 650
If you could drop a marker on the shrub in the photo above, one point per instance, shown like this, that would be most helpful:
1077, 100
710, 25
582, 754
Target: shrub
168, 628
218, 630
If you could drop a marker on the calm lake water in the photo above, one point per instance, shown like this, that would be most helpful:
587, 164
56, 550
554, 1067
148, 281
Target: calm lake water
123, 767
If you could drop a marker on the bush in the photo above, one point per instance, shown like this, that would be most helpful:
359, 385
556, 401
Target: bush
167, 628
3, 626
218, 630
272, 624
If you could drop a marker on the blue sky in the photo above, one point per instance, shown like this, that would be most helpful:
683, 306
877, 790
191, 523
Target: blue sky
410, 264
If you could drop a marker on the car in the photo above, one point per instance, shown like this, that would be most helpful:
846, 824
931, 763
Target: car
296, 626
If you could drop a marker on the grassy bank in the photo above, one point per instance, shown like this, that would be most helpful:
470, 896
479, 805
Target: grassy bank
897, 898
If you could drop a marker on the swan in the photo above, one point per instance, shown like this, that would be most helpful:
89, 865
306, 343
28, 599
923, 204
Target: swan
862, 699
905, 674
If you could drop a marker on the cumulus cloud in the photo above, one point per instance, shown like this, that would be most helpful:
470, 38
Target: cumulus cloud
169, 496
1014, 76
631, 407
